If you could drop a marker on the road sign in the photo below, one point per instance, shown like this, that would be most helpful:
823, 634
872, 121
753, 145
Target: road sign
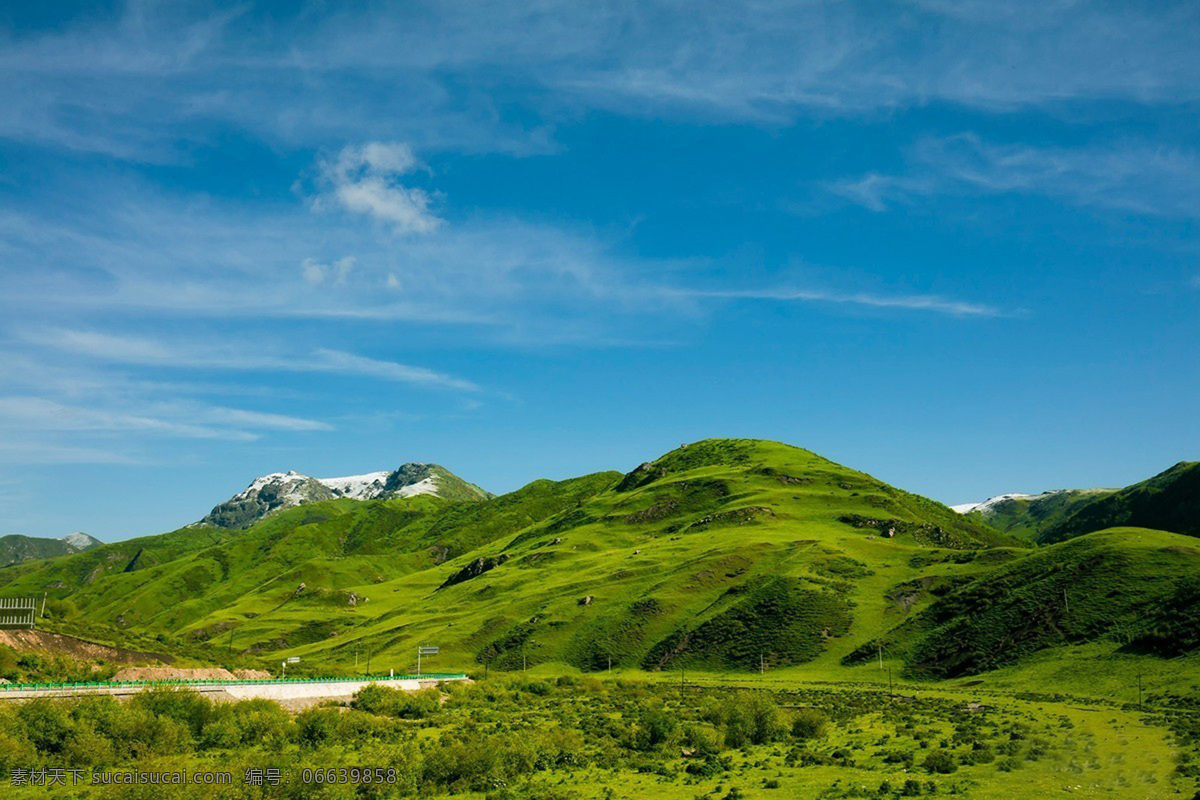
424, 650
294, 659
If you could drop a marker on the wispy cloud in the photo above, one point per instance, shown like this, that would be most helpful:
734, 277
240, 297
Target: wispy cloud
1131, 177
166, 73
189, 356
26, 414
930, 303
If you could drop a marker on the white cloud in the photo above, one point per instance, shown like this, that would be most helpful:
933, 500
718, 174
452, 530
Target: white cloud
930, 303
27, 414
233, 357
1129, 177
365, 179
428, 74
316, 273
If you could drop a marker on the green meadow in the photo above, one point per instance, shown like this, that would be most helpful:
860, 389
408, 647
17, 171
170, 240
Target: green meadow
1034, 671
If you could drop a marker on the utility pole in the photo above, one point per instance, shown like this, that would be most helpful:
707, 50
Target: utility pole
762, 669
44, 596
1066, 603
610, 663
879, 648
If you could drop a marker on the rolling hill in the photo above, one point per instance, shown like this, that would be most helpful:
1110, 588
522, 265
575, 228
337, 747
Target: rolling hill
1134, 588
15, 548
1169, 501
715, 554
721, 555
1029, 515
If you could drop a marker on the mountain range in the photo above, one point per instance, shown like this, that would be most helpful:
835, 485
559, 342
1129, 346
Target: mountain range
722, 554
15, 548
1168, 501
282, 490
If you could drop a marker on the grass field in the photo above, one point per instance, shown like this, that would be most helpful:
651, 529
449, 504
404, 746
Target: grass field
537, 736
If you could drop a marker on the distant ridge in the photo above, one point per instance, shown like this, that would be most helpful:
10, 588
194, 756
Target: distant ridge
281, 490
1028, 515
16, 548
1170, 501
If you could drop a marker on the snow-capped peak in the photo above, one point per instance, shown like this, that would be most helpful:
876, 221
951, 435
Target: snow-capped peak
281, 490
992, 502
359, 487
79, 541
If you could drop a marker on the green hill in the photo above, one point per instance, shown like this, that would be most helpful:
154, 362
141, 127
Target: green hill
16, 548
1133, 588
720, 555
1028, 516
715, 555
1170, 501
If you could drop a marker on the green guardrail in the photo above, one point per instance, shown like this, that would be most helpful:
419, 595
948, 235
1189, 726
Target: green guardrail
36, 687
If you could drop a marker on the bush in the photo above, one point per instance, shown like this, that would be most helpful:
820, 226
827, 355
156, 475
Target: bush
652, 730
748, 718
940, 761
810, 723
46, 724
182, 705
382, 700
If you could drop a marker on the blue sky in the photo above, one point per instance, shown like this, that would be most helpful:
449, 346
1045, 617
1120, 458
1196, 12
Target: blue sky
952, 244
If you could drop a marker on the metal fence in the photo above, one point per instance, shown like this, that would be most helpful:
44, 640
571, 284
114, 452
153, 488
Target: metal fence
18, 612
189, 682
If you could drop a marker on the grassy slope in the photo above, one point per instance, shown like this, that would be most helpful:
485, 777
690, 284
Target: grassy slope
693, 540
15, 548
1169, 501
1129, 588
1027, 517
711, 557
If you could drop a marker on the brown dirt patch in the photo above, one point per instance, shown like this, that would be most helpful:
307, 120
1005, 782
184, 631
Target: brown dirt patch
173, 674
61, 644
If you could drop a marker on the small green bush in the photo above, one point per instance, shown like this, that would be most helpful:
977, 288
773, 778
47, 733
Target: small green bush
940, 761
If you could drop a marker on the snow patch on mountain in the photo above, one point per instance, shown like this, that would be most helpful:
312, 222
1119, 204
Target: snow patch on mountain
992, 502
79, 540
426, 486
359, 487
282, 490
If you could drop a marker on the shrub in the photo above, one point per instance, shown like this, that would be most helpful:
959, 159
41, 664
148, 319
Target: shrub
46, 724
316, 726
809, 723
940, 761
182, 705
652, 729
747, 718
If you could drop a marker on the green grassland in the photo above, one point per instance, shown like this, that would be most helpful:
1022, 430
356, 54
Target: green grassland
723, 563
721, 556
692, 560
569, 738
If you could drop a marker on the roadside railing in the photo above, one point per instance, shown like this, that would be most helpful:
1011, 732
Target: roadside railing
188, 682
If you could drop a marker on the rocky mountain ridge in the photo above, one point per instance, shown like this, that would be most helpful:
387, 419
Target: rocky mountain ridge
281, 490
